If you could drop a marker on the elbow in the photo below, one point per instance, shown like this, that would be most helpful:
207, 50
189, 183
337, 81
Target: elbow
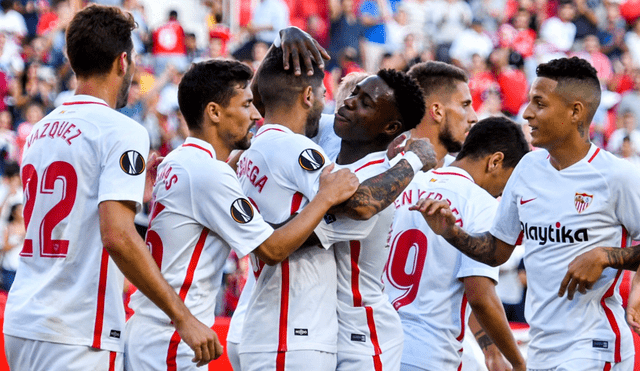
361, 213
269, 256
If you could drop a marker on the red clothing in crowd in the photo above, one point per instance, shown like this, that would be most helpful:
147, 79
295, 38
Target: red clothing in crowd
478, 84
630, 11
521, 41
169, 39
514, 89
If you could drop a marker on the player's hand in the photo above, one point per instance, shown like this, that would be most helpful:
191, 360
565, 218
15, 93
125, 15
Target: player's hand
495, 361
425, 151
583, 272
203, 340
152, 171
396, 147
437, 214
337, 186
633, 305
296, 43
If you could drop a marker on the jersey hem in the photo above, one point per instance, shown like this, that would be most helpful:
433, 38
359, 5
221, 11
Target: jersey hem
105, 345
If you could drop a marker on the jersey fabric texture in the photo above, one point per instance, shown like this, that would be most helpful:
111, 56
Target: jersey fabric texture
424, 272
67, 289
295, 300
562, 214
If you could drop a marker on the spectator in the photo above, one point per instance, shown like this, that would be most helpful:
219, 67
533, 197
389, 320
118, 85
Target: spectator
191, 46
419, 18
450, 18
169, 45
622, 80
472, 41
481, 79
611, 31
632, 39
11, 21
374, 14
629, 128
512, 82
559, 31
518, 34
10, 60
397, 30
629, 152
630, 11
598, 60
218, 38
34, 113
346, 31
8, 149
631, 99
585, 19
268, 17
13, 240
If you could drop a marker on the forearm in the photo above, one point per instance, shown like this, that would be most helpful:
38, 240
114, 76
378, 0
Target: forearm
627, 258
377, 193
480, 247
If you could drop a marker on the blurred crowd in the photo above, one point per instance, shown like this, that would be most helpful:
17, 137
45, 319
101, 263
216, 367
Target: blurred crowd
498, 42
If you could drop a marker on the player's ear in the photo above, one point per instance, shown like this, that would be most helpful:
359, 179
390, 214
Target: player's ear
393, 129
578, 111
122, 63
436, 110
494, 162
212, 112
307, 97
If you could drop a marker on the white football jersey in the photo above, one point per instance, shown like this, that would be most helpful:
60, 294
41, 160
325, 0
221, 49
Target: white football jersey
562, 214
368, 324
293, 305
67, 289
424, 272
199, 213
234, 335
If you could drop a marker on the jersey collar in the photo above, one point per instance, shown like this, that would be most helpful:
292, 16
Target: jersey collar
276, 127
84, 99
201, 145
453, 170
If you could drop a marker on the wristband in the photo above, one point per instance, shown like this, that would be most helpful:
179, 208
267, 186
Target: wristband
414, 161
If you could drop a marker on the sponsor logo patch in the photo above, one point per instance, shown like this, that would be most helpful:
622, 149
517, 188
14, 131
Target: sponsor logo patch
311, 160
114, 334
132, 163
601, 344
582, 201
359, 337
242, 211
301, 332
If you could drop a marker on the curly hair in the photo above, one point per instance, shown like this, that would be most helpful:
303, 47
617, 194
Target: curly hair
408, 96
577, 79
210, 81
96, 36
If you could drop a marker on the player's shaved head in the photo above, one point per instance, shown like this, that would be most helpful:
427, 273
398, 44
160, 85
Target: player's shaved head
210, 81
438, 79
279, 87
495, 134
577, 81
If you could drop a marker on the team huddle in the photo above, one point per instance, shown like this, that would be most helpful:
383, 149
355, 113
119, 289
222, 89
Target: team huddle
369, 241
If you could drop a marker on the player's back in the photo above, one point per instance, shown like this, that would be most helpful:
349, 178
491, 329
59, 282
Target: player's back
423, 272
67, 287
294, 300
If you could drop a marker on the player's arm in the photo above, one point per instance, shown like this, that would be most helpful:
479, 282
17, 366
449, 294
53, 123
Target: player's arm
377, 193
633, 305
494, 333
586, 268
334, 189
483, 247
127, 249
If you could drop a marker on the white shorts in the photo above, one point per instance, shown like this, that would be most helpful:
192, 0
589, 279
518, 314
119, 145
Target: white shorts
149, 345
35, 355
232, 354
389, 360
582, 364
294, 360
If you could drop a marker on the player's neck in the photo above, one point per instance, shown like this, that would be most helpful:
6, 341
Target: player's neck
292, 119
563, 156
100, 87
351, 152
429, 130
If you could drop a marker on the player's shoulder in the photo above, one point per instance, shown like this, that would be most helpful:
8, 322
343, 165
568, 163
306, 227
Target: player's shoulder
612, 167
278, 141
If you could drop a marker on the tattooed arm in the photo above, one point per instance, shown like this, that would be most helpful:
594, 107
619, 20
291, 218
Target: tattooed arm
587, 268
377, 193
495, 335
483, 247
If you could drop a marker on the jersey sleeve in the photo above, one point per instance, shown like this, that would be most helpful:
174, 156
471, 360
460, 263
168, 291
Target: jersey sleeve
506, 224
222, 207
304, 172
124, 166
627, 199
343, 229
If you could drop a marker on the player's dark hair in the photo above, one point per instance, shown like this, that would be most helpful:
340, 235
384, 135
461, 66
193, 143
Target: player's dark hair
495, 134
407, 95
576, 78
96, 36
209, 81
278, 86
438, 77
11, 169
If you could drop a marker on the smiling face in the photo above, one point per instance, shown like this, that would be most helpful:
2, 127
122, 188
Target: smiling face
548, 114
367, 111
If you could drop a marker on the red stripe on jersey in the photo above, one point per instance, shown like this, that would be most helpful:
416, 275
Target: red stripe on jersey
450, 173
284, 308
296, 201
74, 103
372, 331
520, 238
198, 147
193, 263
354, 246
607, 367
112, 361
172, 352
607, 310
280, 358
463, 311
460, 367
369, 164
276, 129
102, 287
594, 155
377, 363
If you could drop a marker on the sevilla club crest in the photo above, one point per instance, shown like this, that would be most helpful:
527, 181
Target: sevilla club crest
582, 201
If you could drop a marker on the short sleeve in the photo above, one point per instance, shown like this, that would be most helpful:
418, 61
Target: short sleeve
506, 224
124, 165
222, 207
343, 229
627, 198
305, 168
